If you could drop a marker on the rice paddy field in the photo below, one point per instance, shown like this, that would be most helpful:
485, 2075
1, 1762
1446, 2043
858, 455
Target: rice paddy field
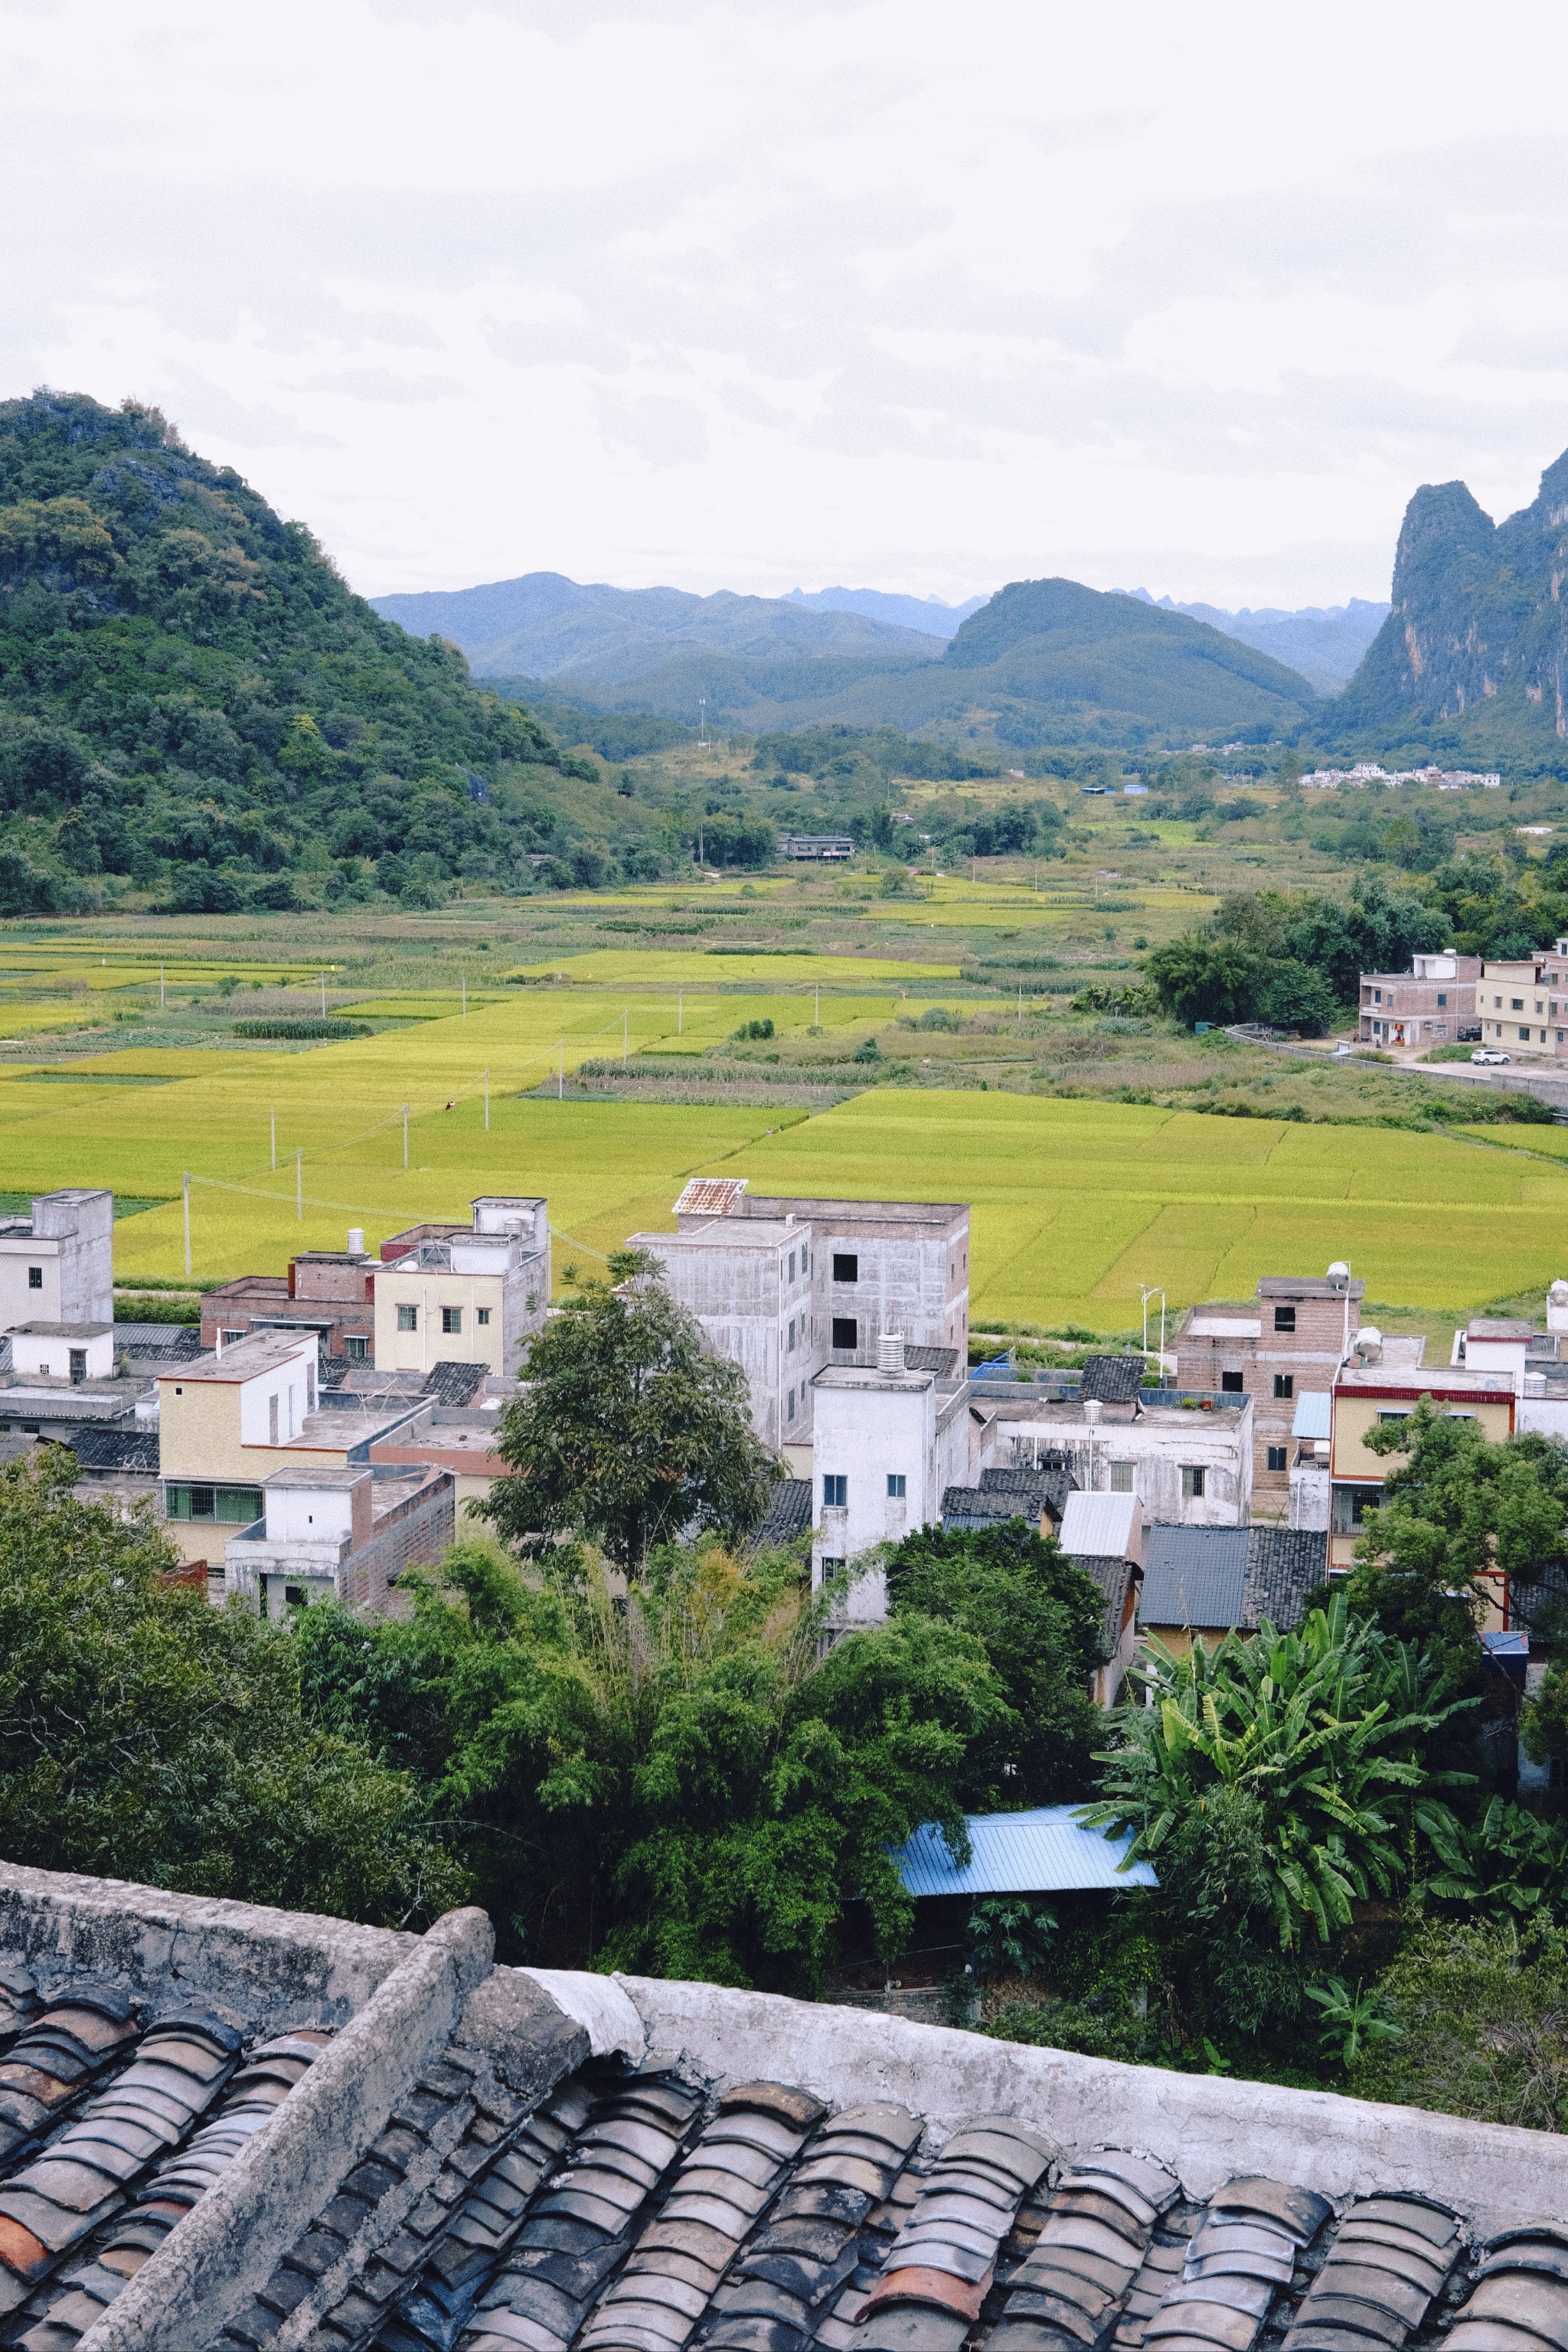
128, 1058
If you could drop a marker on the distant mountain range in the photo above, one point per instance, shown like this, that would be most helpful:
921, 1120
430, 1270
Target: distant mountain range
1042, 661
1475, 650
926, 613
1324, 643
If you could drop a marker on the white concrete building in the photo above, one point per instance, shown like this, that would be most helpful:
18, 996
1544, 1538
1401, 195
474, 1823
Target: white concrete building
888, 1440
331, 1534
72, 1352
57, 1265
878, 1267
1189, 1465
751, 1283
465, 1294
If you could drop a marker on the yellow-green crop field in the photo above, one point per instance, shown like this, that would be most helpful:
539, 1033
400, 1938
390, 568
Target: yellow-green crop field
1075, 1202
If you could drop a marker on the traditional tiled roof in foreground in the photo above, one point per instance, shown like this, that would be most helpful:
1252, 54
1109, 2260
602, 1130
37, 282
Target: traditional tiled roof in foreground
385, 2142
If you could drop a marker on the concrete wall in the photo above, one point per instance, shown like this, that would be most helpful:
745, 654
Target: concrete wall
1206, 2127
871, 1425
753, 1288
81, 1225
1158, 1445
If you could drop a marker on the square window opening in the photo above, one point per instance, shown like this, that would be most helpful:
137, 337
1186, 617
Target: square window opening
1278, 1458
1232, 1383
845, 1332
1284, 1319
451, 1319
897, 1485
834, 1492
1284, 1384
1122, 1477
845, 1267
1192, 1481
35, 1277
408, 1318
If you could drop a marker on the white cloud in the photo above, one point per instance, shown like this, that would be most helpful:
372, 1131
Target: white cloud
863, 290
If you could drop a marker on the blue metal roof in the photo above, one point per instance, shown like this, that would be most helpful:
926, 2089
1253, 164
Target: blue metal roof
1314, 1414
1045, 1852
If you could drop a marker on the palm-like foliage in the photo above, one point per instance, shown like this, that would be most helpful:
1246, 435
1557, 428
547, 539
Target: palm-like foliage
1511, 1864
1313, 1736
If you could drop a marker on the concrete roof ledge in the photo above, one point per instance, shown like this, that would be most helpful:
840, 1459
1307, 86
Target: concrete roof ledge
1207, 2128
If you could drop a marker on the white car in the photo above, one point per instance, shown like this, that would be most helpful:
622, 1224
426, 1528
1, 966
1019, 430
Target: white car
1488, 1060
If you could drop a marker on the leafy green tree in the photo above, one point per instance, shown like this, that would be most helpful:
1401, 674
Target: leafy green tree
145, 1735
1482, 2013
1199, 978
671, 1779
1458, 1510
628, 1427
1295, 1732
1040, 1621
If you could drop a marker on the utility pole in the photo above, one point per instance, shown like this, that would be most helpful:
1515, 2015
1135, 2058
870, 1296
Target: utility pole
273, 1119
185, 1182
559, 1068
681, 1013
161, 998
625, 1034
465, 981
323, 996
487, 1102
299, 1184
406, 1138
817, 1007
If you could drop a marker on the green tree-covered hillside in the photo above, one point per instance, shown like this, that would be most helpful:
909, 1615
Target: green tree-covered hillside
190, 695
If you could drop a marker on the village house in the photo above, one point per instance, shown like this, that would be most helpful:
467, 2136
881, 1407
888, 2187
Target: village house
1521, 1003
1433, 1004
1292, 1336
470, 1294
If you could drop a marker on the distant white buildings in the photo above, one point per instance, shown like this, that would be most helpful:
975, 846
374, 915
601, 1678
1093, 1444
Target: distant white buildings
1368, 771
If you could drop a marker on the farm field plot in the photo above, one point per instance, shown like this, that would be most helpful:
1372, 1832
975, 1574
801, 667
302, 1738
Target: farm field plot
1076, 1204
636, 967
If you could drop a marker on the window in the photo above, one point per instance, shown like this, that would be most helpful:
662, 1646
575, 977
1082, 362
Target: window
451, 1319
1122, 1477
273, 1420
792, 1265
1442, 1000
231, 1338
835, 1492
1394, 1413
408, 1318
1377, 997
355, 1349
77, 1367
1284, 1319
1349, 1504
804, 1258
831, 1569
1284, 1384
896, 1486
1192, 1481
1277, 1457
791, 1342
35, 1277
845, 1268
1524, 1036
1231, 1383
1516, 1004
481, 1316
846, 1331
294, 1596
1498, 1002
789, 1411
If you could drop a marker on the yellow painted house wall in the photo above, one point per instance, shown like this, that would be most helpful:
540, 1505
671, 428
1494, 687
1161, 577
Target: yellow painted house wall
428, 1291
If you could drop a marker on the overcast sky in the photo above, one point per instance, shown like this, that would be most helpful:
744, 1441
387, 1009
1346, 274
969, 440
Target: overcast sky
773, 293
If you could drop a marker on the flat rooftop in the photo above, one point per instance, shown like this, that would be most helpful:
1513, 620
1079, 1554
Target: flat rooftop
60, 1330
257, 1352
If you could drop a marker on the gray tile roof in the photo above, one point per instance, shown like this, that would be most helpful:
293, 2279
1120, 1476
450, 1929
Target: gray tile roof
1115, 1578
456, 1385
1114, 1380
1283, 1565
939, 1361
1194, 1575
789, 1515
500, 2189
115, 1449
1214, 1578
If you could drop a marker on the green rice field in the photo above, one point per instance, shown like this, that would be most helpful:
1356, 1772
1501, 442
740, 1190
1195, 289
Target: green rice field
1077, 1202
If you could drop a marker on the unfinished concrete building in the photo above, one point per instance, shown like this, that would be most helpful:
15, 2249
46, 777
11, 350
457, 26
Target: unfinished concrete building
58, 1265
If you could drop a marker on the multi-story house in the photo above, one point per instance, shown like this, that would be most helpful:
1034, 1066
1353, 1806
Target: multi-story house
465, 1294
1433, 1004
1521, 1003
1294, 1339
752, 1283
57, 1265
330, 1292
1373, 1393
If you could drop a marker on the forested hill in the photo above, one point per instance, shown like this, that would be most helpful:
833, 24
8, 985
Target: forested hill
191, 697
